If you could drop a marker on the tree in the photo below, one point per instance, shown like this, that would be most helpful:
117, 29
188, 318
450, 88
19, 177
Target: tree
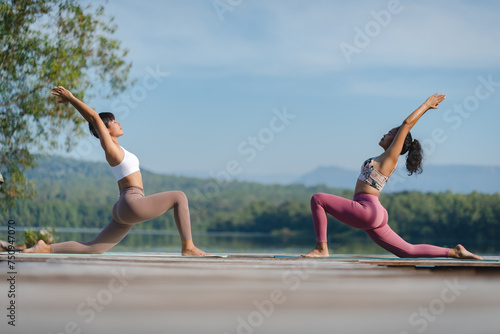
46, 43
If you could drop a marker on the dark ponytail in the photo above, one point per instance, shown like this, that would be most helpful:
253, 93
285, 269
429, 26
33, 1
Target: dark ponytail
414, 157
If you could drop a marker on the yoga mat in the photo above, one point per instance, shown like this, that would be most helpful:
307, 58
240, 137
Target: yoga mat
380, 258
114, 254
334, 257
160, 254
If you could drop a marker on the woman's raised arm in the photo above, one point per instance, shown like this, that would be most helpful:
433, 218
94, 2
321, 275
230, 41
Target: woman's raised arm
394, 150
114, 154
431, 103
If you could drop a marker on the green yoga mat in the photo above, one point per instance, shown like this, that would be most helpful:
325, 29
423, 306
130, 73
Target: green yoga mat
380, 258
332, 257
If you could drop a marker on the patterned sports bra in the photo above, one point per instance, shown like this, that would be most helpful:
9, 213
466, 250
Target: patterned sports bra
372, 177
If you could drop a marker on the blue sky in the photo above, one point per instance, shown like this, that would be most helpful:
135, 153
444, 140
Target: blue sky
284, 86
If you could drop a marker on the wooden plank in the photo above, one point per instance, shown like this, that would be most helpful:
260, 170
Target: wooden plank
491, 262
433, 263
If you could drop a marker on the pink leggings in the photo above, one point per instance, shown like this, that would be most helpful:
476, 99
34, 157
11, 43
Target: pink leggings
366, 213
132, 208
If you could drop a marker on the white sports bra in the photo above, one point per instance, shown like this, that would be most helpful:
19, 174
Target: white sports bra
129, 165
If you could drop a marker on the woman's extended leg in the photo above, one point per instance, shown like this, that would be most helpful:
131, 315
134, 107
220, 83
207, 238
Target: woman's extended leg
110, 236
386, 238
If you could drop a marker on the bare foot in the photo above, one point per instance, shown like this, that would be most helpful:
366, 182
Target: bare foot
194, 251
40, 247
316, 253
460, 252
189, 249
321, 250
6, 247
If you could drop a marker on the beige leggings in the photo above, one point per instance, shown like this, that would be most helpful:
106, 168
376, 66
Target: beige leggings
132, 208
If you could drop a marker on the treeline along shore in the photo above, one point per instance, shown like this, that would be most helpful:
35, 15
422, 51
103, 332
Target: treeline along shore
80, 194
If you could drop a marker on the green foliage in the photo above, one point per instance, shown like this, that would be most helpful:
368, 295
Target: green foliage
45, 43
31, 236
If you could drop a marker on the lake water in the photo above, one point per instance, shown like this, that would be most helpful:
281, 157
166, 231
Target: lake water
227, 242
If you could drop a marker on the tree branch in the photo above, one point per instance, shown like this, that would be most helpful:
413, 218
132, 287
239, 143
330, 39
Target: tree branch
1, 65
25, 95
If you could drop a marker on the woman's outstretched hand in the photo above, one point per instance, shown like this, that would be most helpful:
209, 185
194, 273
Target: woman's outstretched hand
433, 101
63, 93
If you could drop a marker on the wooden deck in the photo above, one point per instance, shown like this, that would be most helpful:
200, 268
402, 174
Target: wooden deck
250, 293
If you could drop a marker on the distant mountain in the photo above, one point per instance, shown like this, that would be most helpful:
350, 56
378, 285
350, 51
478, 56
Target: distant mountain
456, 178
244, 177
342, 178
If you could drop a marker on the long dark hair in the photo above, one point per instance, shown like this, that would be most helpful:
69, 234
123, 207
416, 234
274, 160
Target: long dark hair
106, 118
414, 157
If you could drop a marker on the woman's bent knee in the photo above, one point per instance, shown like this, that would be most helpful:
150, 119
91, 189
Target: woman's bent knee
180, 197
316, 198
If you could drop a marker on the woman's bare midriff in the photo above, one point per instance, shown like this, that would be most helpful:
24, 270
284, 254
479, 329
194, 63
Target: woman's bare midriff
132, 180
364, 188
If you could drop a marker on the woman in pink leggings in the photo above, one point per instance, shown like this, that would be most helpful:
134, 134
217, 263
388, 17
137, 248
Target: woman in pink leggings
365, 211
132, 207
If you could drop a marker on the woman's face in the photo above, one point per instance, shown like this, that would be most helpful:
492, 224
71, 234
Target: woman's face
115, 129
386, 140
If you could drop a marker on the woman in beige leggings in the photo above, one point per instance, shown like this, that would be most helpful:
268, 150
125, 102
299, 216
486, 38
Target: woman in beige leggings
132, 207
